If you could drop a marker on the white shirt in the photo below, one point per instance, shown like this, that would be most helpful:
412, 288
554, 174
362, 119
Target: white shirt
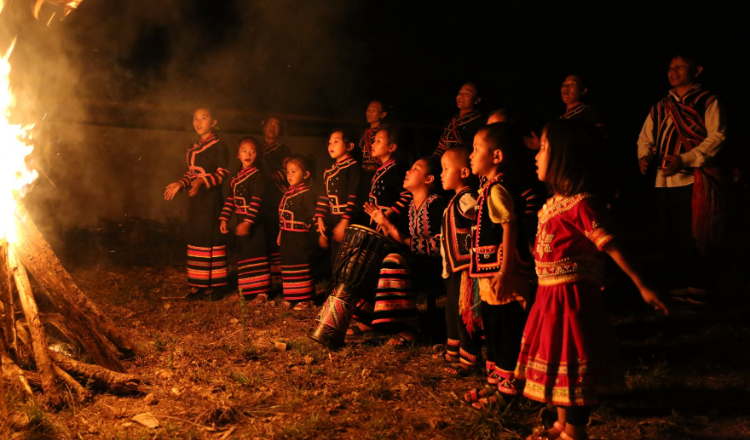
715, 127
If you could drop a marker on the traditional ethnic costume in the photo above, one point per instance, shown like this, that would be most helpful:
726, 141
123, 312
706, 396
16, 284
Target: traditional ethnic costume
690, 203
206, 250
343, 186
503, 319
393, 306
275, 156
569, 350
387, 190
298, 241
460, 130
369, 163
461, 316
584, 112
253, 265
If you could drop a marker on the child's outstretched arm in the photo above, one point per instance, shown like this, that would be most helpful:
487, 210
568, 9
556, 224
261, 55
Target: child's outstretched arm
648, 294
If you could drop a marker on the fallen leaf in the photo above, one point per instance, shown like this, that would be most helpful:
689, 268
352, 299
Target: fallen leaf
175, 391
281, 346
309, 360
150, 399
146, 419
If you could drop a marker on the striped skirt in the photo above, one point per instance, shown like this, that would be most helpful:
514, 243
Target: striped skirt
394, 303
207, 266
296, 269
254, 276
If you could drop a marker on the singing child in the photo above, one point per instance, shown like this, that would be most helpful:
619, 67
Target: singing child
207, 168
394, 306
248, 189
296, 238
343, 182
386, 187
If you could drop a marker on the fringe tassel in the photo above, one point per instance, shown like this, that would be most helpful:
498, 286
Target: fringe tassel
708, 207
468, 303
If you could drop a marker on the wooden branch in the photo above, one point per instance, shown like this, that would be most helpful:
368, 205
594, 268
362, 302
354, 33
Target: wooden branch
82, 393
36, 329
112, 380
7, 327
90, 325
12, 371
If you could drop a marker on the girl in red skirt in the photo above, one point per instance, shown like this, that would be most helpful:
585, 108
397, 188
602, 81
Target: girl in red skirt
569, 351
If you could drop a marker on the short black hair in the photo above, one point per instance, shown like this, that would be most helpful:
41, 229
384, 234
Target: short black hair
282, 123
251, 139
394, 133
575, 152
433, 169
690, 58
307, 163
505, 137
579, 79
477, 91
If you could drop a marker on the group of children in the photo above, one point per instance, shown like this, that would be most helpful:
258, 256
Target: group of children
552, 343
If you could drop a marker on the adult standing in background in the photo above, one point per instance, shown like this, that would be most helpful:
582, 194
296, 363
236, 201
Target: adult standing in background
461, 128
682, 135
275, 156
374, 114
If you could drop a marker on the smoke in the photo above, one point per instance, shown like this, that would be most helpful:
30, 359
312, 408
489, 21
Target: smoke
114, 85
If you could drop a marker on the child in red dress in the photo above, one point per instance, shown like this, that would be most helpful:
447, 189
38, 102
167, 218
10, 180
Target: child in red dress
569, 350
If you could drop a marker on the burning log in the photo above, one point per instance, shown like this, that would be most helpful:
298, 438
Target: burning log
77, 318
36, 330
7, 326
92, 328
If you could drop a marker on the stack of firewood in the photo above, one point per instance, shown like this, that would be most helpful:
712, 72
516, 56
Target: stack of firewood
24, 348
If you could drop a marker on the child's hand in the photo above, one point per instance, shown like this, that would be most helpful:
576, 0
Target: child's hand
532, 142
243, 228
501, 286
223, 227
321, 225
195, 186
278, 239
375, 213
172, 190
652, 298
338, 231
322, 241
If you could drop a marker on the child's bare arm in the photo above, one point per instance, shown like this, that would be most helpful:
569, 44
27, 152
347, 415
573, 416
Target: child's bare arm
648, 294
501, 283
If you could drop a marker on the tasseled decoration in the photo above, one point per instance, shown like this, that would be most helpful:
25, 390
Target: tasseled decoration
708, 207
468, 303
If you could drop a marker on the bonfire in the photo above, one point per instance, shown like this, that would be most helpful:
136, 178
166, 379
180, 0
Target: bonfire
54, 303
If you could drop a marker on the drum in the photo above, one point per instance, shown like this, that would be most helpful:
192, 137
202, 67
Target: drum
356, 269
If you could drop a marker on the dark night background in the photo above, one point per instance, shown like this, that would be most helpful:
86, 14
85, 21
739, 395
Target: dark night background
329, 58
115, 65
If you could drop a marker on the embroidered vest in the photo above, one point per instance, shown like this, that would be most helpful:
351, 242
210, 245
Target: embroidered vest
456, 231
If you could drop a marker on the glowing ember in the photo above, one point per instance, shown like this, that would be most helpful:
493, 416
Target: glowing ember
15, 176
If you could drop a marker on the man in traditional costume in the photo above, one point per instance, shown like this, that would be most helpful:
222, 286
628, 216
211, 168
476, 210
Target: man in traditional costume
682, 135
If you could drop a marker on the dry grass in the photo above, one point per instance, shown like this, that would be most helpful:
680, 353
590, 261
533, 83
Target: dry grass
216, 374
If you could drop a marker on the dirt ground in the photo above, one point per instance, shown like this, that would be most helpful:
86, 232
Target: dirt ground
215, 370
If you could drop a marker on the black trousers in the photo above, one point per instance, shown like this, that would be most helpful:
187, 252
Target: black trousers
684, 264
503, 330
470, 345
